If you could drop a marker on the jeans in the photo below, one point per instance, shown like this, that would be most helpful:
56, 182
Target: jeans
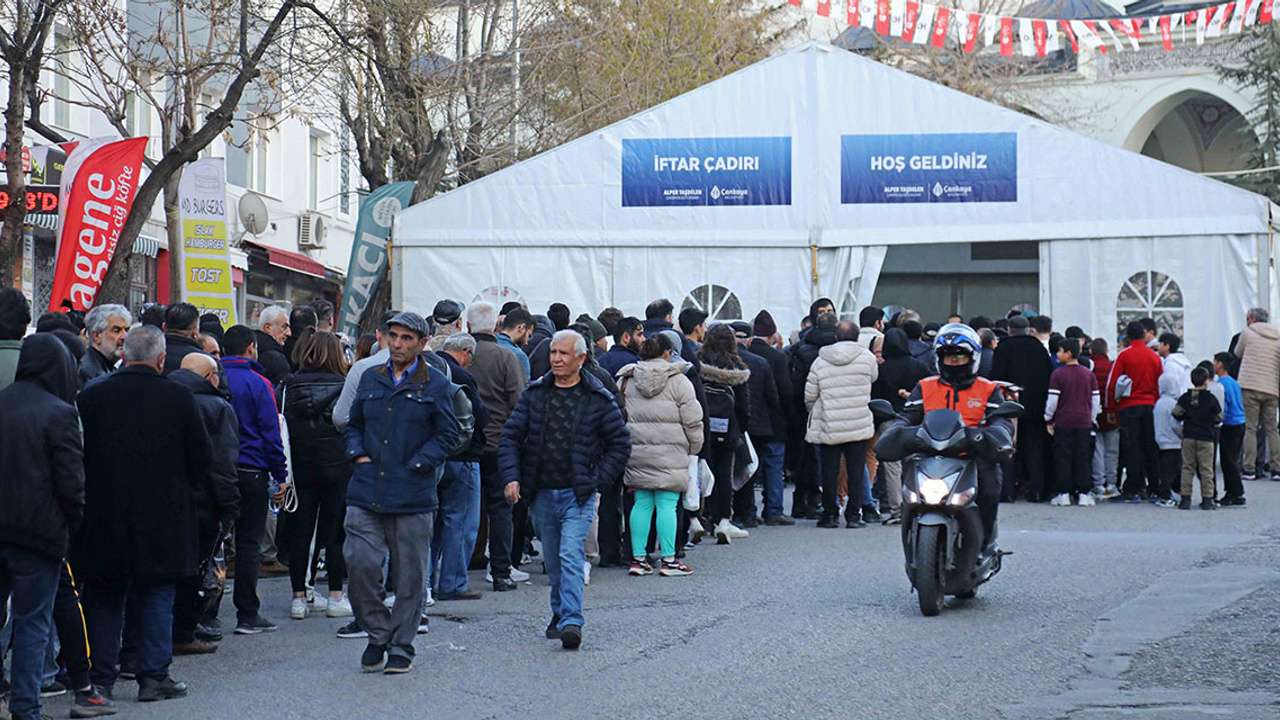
772, 456
250, 526
1229, 446
322, 506
1106, 457
151, 626
1260, 408
1074, 455
563, 523
1141, 454
449, 554
649, 502
499, 512
371, 537
855, 464
29, 582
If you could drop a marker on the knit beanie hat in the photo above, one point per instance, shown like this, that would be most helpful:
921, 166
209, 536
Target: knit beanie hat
595, 326
764, 325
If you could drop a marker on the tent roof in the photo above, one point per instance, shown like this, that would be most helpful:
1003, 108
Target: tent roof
1068, 186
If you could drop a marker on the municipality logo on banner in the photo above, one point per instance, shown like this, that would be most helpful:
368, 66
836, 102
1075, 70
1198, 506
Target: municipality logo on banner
665, 172
937, 168
378, 211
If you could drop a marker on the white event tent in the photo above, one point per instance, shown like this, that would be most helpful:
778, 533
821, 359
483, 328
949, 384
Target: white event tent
787, 180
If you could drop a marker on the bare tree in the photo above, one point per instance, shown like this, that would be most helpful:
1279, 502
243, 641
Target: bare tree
24, 31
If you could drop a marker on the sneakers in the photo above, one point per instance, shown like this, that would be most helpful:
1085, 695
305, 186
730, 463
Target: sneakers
674, 568
430, 598
53, 689
696, 531
736, 532
1105, 492
371, 659
1061, 500
1086, 500
1126, 498
1231, 501
893, 520
397, 665
351, 631
640, 566
1167, 503
1248, 476
424, 625
298, 608
871, 514
829, 522
517, 575
339, 608
1185, 504
571, 637
151, 690
722, 532
1207, 504
255, 626
553, 628
91, 703
208, 633
504, 585
586, 572
779, 521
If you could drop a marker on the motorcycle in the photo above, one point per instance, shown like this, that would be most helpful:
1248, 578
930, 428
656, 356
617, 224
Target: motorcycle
942, 533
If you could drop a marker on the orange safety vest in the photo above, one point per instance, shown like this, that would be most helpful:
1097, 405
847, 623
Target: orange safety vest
971, 402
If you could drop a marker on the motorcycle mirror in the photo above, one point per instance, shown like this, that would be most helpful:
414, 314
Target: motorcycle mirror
882, 410
1008, 410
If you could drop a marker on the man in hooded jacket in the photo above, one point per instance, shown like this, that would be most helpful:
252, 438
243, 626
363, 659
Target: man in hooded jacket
41, 503
899, 375
1022, 360
802, 457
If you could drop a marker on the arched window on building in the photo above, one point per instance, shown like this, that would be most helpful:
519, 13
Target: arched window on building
717, 301
1152, 294
499, 295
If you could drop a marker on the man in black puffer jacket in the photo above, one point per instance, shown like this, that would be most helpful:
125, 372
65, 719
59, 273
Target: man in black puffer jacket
458, 520
564, 442
899, 374
802, 458
762, 393
217, 498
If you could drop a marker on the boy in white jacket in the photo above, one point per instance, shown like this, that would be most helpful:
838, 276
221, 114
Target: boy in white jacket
1168, 436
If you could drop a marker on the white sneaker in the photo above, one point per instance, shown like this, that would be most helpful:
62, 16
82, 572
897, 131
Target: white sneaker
1086, 500
736, 532
339, 608
389, 601
310, 595
1061, 500
722, 532
429, 599
586, 572
298, 609
1110, 492
518, 575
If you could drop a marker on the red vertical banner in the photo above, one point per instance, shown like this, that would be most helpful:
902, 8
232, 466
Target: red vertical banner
882, 17
909, 22
794, 2
852, 15
971, 31
1264, 14
940, 25
1166, 32
824, 8
1071, 35
1040, 31
1006, 36
97, 199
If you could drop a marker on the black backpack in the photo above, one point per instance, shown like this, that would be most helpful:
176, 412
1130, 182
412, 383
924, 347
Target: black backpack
722, 414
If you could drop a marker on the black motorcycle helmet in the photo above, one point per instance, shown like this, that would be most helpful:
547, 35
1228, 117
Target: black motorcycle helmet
958, 339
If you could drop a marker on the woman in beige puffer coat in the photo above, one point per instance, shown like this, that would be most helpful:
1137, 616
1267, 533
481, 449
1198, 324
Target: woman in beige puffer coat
837, 394
665, 421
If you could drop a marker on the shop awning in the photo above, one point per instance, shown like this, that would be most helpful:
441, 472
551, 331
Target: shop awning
146, 245
289, 260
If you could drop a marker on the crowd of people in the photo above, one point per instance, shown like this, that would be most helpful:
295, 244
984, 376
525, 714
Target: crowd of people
148, 460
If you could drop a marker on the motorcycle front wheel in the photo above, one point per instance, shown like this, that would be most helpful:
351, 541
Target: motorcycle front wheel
929, 569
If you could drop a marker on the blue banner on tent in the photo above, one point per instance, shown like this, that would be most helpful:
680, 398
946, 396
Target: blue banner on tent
956, 167
667, 172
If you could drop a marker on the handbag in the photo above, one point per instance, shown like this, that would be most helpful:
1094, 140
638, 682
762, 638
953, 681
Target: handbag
746, 462
213, 573
290, 502
693, 493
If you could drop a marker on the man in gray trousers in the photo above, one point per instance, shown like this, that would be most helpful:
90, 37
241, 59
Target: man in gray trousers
398, 438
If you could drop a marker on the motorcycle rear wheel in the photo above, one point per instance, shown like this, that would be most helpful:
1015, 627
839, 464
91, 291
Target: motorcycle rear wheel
929, 570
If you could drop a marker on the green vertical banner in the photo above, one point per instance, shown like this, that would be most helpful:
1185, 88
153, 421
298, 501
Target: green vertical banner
369, 251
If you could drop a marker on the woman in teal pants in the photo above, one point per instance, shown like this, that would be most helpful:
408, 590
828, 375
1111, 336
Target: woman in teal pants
665, 421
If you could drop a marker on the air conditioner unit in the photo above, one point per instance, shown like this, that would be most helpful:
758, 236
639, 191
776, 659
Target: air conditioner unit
312, 231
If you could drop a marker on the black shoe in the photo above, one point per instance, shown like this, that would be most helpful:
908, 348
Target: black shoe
571, 637
854, 524
749, 523
1231, 501
397, 665
553, 628
424, 624
128, 670
91, 703
371, 659
151, 690
1206, 504
351, 631
504, 584
779, 521
1184, 503
893, 520
255, 625
53, 689
811, 515
828, 522
870, 514
208, 634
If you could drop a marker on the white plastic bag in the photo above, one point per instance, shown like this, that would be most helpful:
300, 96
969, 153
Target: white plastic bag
706, 478
755, 459
693, 493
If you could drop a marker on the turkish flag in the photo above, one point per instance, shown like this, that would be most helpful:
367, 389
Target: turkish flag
1040, 31
1071, 35
1006, 36
1264, 14
824, 8
851, 13
940, 26
910, 20
99, 184
971, 31
882, 17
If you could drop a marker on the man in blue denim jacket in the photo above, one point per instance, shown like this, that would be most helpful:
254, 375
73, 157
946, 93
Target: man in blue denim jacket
401, 430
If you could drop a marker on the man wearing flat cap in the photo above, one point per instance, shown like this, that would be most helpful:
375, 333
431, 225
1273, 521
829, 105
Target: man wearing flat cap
399, 436
447, 318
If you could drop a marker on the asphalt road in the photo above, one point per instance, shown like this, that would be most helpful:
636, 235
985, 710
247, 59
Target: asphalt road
1112, 611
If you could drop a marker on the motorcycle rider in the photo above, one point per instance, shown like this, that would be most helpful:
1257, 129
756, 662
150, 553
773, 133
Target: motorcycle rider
958, 387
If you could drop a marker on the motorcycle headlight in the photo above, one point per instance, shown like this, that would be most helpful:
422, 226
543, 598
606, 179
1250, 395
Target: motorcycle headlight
962, 498
934, 490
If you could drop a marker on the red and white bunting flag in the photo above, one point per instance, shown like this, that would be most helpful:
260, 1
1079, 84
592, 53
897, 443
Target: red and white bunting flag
1051, 42
1202, 23
1006, 36
1130, 29
897, 17
1087, 32
990, 29
1040, 33
1264, 12
1071, 35
794, 2
1106, 28
1166, 32
851, 13
941, 24
910, 20
971, 31
1251, 12
1237, 18
1026, 37
924, 24
867, 13
882, 17
1219, 20
824, 8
